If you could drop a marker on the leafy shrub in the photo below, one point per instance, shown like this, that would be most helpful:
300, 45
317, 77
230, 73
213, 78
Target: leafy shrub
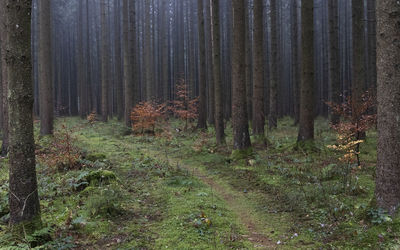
184, 107
145, 116
61, 153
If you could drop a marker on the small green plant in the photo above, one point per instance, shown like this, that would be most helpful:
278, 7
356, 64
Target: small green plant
105, 201
378, 216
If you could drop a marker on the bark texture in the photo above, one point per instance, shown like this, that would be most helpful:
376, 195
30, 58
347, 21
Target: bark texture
45, 76
358, 76
306, 130
127, 77
23, 197
202, 120
334, 56
241, 138
258, 70
388, 51
4, 84
273, 85
216, 50
104, 62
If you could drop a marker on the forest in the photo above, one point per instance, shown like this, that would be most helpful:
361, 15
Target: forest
199, 124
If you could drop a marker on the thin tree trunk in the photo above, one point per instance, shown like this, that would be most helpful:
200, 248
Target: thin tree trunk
258, 70
273, 85
334, 57
202, 119
118, 62
45, 77
295, 63
128, 84
4, 84
241, 138
306, 130
358, 76
216, 49
104, 62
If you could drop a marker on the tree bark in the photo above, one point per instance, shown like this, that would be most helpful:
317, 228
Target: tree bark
306, 130
45, 73
273, 85
4, 84
241, 138
295, 63
334, 58
128, 84
202, 119
358, 75
258, 70
23, 197
216, 49
118, 62
104, 62
388, 51
371, 16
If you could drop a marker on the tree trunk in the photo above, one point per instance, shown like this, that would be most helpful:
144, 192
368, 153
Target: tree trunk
258, 70
147, 53
358, 76
104, 62
45, 77
241, 138
216, 49
334, 58
273, 85
4, 84
371, 17
118, 67
248, 58
81, 69
210, 79
128, 84
388, 51
202, 119
306, 130
23, 197
295, 63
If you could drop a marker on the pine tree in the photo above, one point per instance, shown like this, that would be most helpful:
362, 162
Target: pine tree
45, 73
306, 130
241, 138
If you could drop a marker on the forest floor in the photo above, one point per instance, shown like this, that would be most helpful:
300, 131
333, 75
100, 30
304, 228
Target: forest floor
177, 190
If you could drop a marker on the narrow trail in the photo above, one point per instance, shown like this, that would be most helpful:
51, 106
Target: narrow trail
236, 202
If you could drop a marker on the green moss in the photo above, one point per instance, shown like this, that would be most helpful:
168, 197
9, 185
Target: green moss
93, 157
101, 177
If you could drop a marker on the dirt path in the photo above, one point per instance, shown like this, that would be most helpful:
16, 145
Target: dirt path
236, 202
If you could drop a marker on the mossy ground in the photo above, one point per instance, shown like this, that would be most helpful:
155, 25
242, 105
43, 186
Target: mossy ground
162, 196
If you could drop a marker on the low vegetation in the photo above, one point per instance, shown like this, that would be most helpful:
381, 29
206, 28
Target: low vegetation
131, 191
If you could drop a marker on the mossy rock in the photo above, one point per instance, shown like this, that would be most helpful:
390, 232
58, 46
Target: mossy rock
93, 157
100, 177
243, 154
